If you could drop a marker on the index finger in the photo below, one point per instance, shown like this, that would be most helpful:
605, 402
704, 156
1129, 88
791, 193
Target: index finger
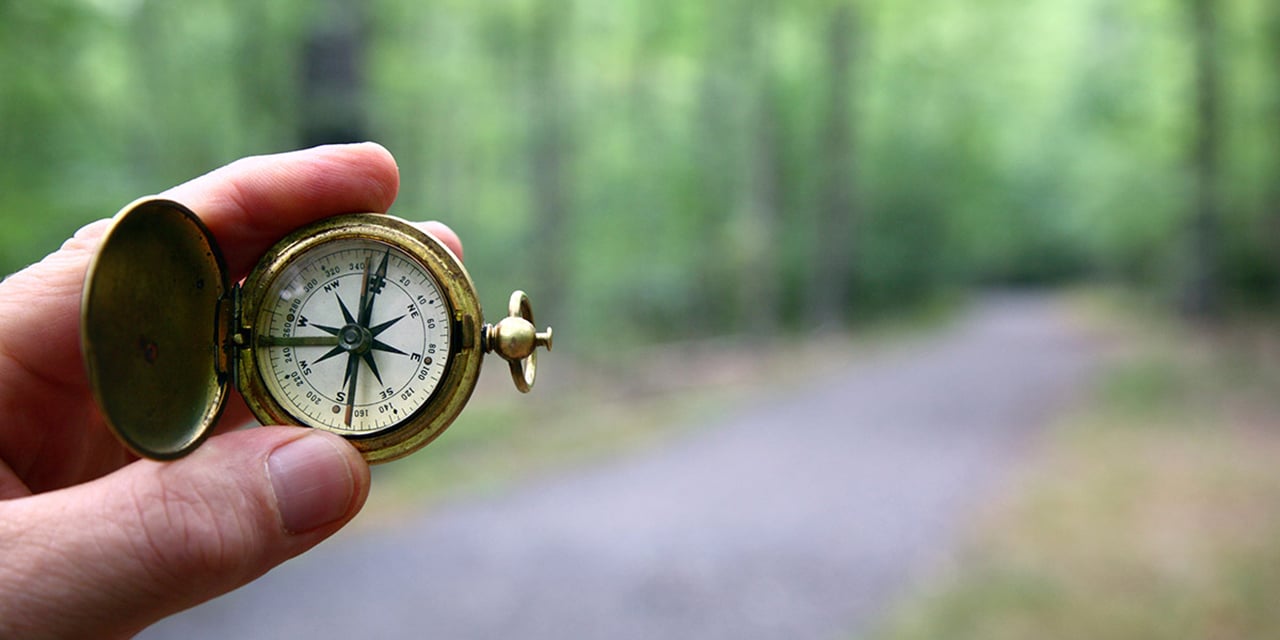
251, 203
248, 205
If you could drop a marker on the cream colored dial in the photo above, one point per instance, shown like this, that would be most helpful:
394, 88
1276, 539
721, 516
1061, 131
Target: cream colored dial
353, 337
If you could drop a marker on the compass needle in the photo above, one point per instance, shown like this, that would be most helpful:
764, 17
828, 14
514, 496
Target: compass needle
372, 288
298, 341
353, 368
380, 282
346, 377
364, 295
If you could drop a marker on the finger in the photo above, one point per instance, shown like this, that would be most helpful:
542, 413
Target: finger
251, 203
40, 305
444, 234
11, 484
248, 205
43, 390
107, 558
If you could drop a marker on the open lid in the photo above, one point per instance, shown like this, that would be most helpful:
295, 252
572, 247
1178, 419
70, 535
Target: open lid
149, 328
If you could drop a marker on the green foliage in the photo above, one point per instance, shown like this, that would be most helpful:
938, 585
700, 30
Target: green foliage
699, 158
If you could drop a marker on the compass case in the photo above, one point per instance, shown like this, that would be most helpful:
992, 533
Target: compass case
149, 328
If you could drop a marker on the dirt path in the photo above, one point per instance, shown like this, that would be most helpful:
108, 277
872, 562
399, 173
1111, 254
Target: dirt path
802, 518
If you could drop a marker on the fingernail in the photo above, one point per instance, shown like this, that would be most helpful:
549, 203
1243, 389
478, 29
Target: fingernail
312, 482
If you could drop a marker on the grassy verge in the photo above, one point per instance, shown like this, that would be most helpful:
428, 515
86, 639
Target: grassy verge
1153, 513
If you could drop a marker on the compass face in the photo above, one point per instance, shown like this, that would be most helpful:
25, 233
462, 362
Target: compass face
353, 337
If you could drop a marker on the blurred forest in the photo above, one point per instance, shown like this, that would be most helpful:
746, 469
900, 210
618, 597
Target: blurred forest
679, 169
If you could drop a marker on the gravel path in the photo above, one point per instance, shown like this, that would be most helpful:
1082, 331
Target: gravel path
801, 518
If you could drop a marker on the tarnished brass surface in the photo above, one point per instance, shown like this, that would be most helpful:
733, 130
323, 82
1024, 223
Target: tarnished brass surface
455, 387
162, 331
516, 339
149, 328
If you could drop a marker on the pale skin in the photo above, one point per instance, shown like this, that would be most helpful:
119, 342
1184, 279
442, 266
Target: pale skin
95, 543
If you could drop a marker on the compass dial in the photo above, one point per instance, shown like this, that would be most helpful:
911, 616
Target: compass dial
353, 337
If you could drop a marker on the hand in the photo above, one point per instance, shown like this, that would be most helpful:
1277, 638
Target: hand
94, 543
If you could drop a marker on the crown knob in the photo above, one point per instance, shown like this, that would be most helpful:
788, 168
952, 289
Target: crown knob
517, 339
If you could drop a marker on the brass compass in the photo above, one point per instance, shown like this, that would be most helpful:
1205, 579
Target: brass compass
359, 324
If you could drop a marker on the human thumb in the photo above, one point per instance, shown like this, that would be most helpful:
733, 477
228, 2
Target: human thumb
107, 558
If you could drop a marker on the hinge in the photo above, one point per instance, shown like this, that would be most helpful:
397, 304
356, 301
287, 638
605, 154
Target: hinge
231, 336
240, 337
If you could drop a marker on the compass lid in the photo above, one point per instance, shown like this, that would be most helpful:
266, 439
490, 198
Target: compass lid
149, 328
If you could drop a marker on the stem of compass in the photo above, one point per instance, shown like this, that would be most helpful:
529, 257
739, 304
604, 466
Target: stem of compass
353, 368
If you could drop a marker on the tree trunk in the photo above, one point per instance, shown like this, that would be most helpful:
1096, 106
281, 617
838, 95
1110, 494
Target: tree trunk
332, 75
549, 154
1201, 298
1273, 132
270, 110
759, 278
830, 286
